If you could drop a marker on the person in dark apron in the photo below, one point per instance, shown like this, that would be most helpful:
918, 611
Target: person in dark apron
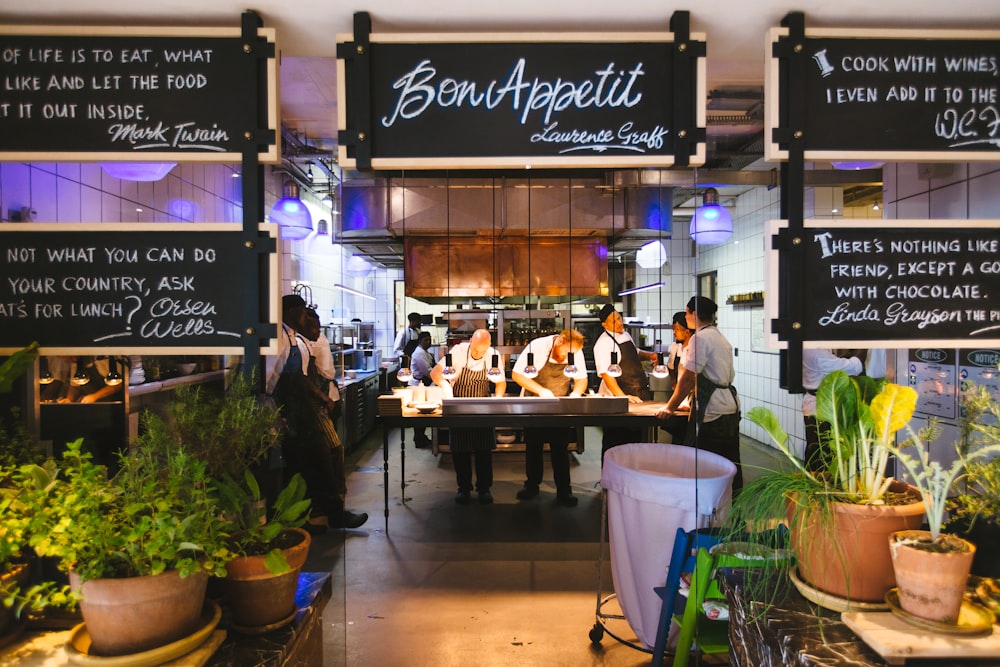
708, 370
676, 425
471, 360
310, 445
550, 356
614, 344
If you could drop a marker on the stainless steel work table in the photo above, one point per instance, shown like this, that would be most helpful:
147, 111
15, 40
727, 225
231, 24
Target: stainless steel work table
639, 415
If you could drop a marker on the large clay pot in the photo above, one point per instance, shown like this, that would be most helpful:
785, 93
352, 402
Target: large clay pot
135, 614
258, 600
931, 577
847, 555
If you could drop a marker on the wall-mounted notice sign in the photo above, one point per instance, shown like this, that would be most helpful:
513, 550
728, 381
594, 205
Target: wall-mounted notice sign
141, 94
123, 288
897, 284
891, 95
507, 101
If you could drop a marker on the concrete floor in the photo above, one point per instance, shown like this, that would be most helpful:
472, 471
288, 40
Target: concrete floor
513, 583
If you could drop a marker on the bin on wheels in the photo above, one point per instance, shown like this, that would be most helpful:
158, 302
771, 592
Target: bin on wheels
651, 490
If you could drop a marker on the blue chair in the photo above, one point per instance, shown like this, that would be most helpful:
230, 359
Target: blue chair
682, 559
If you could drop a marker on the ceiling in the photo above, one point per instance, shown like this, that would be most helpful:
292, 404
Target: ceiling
735, 32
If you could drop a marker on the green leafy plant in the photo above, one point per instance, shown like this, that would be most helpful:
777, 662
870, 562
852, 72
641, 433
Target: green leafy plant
979, 499
21, 490
158, 513
934, 481
230, 431
233, 433
259, 534
15, 366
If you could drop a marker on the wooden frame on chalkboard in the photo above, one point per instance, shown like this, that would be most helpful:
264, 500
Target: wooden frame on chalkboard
853, 74
185, 139
130, 288
897, 284
613, 155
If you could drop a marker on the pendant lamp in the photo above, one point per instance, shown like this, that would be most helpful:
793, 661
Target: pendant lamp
711, 223
291, 215
137, 171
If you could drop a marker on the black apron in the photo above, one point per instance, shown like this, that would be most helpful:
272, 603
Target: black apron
633, 380
704, 388
471, 384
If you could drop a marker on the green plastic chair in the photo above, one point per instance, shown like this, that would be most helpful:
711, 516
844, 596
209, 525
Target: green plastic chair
713, 635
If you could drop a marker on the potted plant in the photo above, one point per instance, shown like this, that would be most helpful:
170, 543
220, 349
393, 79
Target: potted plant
932, 567
271, 549
975, 511
839, 516
234, 433
139, 546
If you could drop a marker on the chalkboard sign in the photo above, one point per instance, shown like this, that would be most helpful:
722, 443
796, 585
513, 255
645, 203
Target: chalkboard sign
893, 95
145, 94
122, 287
902, 283
577, 101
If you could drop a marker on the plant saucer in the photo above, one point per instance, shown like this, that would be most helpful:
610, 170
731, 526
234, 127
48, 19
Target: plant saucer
78, 645
830, 601
973, 618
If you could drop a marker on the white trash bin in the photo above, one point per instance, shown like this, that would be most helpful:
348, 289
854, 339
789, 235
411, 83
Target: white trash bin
652, 490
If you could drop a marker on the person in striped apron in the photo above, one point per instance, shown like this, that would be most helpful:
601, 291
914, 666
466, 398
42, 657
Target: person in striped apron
547, 376
471, 361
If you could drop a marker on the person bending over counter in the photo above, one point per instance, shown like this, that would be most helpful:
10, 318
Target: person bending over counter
614, 347
550, 356
471, 360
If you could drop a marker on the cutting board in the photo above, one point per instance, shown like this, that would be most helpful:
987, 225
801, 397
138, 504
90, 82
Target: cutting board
897, 641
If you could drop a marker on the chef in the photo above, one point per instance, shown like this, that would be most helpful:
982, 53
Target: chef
541, 370
471, 360
619, 363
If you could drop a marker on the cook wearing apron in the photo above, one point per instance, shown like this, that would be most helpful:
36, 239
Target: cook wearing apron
632, 383
310, 445
708, 369
471, 360
550, 354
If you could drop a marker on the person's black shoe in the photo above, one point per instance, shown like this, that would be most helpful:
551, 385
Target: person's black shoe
485, 497
351, 520
463, 497
527, 492
567, 500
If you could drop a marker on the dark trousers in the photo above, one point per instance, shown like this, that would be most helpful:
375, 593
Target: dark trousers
322, 468
722, 436
534, 442
463, 470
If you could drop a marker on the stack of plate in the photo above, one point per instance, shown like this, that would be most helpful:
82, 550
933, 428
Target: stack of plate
390, 406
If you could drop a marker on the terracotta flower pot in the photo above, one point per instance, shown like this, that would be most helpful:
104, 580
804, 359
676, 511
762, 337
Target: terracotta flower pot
931, 576
258, 600
135, 614
847, 555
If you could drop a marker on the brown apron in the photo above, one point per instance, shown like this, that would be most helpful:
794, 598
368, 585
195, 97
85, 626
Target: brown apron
551, 377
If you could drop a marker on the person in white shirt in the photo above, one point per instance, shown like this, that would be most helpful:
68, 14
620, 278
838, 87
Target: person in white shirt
707, 369
406, 335
612, 346
421, 363
471, 361
551, 355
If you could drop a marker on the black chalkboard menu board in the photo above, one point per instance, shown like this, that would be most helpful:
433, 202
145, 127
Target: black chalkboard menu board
144, 94
901, 283
122, 287
898, 95
596, 100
